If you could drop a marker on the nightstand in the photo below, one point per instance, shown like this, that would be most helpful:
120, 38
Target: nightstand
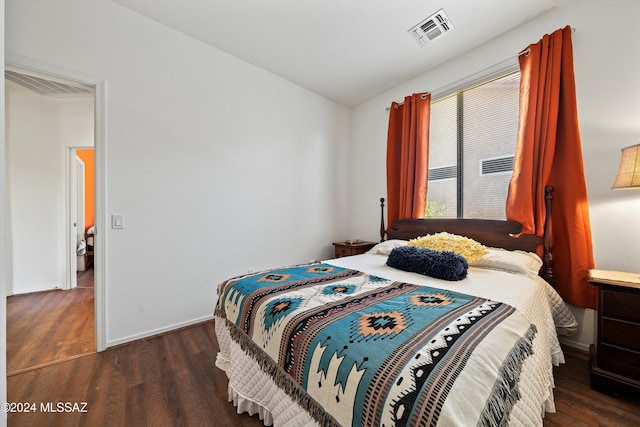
348, 249
615, 357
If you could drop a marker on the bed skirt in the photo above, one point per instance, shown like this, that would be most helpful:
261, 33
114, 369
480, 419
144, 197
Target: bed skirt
253, 391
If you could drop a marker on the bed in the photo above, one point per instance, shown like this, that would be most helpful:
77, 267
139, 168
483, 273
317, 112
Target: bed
353, 341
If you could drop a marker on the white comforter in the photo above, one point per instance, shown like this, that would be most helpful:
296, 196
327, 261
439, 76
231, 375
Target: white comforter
252, 391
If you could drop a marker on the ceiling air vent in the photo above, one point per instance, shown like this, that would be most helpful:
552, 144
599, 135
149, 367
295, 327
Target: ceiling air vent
431, 28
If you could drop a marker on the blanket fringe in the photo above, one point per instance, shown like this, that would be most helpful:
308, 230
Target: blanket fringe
506, 391
282, 379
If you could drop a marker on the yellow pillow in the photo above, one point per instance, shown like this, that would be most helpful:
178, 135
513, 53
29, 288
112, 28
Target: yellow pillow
464, 246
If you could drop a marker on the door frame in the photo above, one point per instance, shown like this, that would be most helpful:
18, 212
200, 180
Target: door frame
46, 70
75, 213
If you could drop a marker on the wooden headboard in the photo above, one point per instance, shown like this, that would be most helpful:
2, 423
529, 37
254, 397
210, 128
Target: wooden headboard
494, 233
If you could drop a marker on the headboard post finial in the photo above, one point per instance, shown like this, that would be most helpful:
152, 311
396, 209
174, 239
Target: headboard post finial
382, 229
548, 236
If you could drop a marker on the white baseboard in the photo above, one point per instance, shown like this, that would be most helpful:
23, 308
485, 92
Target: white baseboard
574, 344
158, 331
34, 291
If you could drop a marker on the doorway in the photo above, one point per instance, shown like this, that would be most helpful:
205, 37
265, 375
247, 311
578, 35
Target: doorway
81, 221
57, 266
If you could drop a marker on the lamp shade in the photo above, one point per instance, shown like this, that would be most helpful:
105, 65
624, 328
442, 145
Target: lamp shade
629, 170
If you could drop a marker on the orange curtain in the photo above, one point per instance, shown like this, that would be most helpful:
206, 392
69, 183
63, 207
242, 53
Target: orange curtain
548, 152
408, 157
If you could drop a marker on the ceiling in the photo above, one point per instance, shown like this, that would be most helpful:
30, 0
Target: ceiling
345, 50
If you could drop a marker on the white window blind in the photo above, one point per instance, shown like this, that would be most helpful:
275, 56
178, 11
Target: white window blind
472, 142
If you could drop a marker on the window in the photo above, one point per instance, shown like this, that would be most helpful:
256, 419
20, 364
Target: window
472, 143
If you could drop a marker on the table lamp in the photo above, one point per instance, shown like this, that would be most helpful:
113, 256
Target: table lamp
629, 171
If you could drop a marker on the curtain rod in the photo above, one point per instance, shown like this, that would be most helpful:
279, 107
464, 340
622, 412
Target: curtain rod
502, 65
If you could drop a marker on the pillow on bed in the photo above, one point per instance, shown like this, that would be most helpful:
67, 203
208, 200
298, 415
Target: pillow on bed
441, 265
527, 263
464, 246
384, 248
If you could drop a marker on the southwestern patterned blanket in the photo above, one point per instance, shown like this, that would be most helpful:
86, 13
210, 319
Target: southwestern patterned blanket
358, 350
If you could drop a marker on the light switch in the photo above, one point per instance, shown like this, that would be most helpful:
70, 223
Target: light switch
117, 221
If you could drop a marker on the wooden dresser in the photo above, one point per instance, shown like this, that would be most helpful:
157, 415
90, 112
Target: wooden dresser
615, 357
348, 249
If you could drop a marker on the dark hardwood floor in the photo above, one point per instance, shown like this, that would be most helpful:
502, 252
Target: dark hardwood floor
85, 278
171, 380
47, 327
578, 405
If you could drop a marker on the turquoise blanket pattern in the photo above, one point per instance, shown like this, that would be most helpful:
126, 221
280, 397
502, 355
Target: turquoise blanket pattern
355, 349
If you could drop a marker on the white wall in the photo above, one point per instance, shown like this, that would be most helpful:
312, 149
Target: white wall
218, 166
608, 92
39, 130
4, 261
